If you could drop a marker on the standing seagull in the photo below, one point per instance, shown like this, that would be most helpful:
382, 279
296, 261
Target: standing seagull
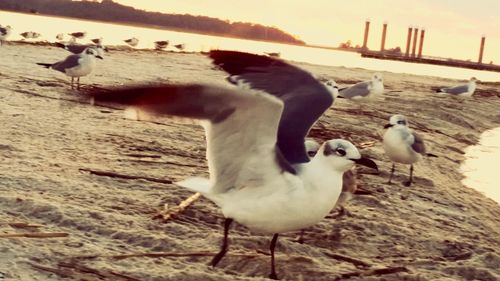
181, 47
77, 48
132, 41
76, 65
366, 89
4, 33
160, 45
77, 35
251, 174
403, 145
464, 90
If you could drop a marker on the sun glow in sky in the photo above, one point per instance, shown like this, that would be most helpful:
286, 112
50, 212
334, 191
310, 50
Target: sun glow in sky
453, 27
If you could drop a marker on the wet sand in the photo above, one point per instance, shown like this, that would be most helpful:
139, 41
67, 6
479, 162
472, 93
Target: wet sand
437, 229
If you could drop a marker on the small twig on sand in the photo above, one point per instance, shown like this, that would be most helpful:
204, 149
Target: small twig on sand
165, 255
362, 191
371, 272
366, 144
123, 176
35, 235
24, 225
354, 261
81, 272
167, 214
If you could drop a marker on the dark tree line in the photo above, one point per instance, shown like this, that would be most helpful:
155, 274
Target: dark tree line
109, 11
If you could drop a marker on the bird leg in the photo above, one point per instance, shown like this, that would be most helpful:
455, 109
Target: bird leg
72, 78
225, 243
271, 247
78, 83
392, 173
301, 239
408, 183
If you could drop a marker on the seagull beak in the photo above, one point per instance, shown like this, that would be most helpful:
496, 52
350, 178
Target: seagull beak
99, 57
366, 162
387, 126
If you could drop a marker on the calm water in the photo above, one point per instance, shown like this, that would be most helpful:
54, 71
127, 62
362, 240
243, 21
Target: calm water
479, 168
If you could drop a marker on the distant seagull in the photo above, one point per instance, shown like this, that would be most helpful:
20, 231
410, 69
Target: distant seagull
76, 65
4, 33
273, 54
97, 41
464, 90
251, 143
132, 41
77, 48
30, 35
78, 35
160, 45
401, 144
366, 89
180, 46
60, 36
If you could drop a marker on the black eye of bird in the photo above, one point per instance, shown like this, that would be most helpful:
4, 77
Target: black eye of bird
340, 152
402, 122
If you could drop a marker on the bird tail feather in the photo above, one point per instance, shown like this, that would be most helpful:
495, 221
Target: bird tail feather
196, 184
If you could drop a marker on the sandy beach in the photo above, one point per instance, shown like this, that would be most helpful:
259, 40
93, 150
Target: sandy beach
50, 141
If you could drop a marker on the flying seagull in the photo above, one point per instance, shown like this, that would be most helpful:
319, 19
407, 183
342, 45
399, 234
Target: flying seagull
366, 89
403, 145
464, 90
255, 143
77, 65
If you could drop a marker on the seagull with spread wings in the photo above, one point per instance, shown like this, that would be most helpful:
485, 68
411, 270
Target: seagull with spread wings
260, 173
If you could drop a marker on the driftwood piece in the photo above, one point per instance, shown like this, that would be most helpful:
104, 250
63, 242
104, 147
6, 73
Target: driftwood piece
35, 235
81, 272
356, 262
371, 272
166, 255
169, 213
24, 225
124, 176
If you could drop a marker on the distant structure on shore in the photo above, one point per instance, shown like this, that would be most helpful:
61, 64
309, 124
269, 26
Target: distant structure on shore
414, 50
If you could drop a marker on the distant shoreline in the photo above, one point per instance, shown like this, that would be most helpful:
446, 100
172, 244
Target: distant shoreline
157, 27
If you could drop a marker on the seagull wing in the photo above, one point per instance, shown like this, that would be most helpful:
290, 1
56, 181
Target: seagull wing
70, 62
361, 89
457, 89
241, 128
305, 98
418, 144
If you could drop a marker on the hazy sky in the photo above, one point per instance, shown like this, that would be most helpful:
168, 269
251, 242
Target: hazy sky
453, 27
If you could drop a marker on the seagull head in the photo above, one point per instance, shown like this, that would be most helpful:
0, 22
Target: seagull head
332, 87
93, 51
342, 155
377, 78
473, 80
312, 147
397, 121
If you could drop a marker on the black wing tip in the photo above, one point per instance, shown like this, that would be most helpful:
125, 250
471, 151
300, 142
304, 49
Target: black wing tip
46, 65
432, 155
